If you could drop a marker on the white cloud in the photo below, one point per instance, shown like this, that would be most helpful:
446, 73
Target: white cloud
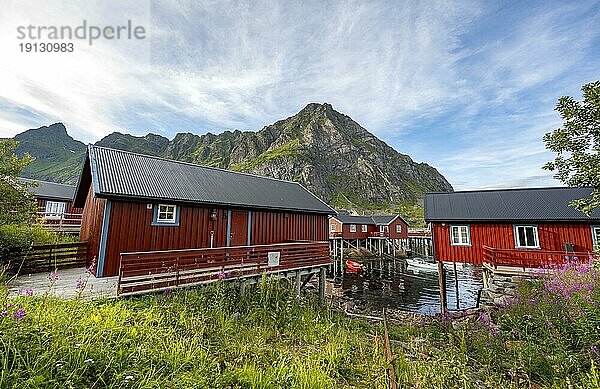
396, 68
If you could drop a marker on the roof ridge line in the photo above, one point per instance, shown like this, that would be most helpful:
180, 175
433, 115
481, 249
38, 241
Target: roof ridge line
194, 164
510, 189
46, 182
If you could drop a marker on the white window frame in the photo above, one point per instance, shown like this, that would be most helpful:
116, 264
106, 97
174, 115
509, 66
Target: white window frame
332, 227
352, 227
596, 237
460, 242
363, 228
398, 228
171, 220
536, 236
55, 210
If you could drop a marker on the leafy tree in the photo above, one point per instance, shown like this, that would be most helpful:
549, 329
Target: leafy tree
16, 203
577, 143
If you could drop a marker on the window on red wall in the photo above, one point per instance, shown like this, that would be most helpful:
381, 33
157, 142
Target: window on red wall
363, 228
460, 235
332, 227
527, 237
352, 227
398, 228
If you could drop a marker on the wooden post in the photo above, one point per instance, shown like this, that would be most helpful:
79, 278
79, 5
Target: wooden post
298, 282
388, 354
322, 285
442, 280
243, 288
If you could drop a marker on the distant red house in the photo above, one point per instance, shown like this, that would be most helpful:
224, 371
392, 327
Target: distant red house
55, 202
520, 227
363, 227
139, 203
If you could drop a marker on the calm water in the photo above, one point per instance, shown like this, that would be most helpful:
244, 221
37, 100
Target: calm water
391, 284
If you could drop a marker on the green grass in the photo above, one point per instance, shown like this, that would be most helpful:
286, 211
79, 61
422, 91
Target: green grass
289, 149
212, 337
202, 338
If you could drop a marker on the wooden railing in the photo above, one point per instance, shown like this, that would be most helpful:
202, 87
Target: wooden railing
48, 257
62, 222
155, 270
531, 258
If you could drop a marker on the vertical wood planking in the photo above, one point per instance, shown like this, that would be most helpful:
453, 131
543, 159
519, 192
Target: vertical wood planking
91, 225
552, 237
131, 230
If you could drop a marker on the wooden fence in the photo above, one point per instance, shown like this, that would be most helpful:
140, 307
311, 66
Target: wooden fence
144, 271
531, 258
48, 257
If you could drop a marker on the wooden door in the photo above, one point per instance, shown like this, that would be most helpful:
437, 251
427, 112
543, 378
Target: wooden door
239, 228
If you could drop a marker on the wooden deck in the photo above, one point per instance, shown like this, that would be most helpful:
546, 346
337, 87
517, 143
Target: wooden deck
65, 285
155, 270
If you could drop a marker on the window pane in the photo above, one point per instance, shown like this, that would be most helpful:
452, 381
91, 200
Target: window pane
464, 235
455, 238
166, 213
521, 236
530, 241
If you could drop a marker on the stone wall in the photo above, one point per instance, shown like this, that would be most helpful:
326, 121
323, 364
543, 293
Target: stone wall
498, 288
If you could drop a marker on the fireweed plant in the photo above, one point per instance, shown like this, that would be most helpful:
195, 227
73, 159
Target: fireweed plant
548, 336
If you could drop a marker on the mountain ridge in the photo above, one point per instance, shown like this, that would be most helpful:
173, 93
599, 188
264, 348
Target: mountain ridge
324, 150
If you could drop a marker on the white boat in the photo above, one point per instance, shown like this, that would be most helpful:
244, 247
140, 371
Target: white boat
422, 264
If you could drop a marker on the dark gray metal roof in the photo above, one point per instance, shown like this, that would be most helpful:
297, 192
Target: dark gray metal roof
51, 190
117, 173
350, 219
535, 204
369, 220
384, 220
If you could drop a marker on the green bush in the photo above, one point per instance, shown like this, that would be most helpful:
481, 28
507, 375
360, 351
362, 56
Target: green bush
15, 237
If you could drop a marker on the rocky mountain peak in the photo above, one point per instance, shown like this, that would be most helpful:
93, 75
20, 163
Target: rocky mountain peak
323, 149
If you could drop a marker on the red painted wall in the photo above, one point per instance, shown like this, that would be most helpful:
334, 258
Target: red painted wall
371, 230
404, 229
91, 224
130, 229
337, 225
552, 237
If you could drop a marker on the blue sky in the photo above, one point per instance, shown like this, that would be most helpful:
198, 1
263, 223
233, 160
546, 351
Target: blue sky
468, 87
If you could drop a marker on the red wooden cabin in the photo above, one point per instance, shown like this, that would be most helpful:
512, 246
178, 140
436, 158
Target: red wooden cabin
140, 204
514, 227
363, 227
55, 202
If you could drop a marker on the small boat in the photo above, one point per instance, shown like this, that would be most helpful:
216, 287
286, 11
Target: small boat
422, 264
353, 267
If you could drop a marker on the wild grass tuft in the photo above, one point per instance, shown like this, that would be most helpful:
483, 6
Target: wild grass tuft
209, 337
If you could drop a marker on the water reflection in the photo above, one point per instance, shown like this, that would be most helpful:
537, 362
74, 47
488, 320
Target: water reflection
392, 284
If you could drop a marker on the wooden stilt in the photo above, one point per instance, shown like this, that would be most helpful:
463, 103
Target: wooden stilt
298, 283
442, 280
322, 285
